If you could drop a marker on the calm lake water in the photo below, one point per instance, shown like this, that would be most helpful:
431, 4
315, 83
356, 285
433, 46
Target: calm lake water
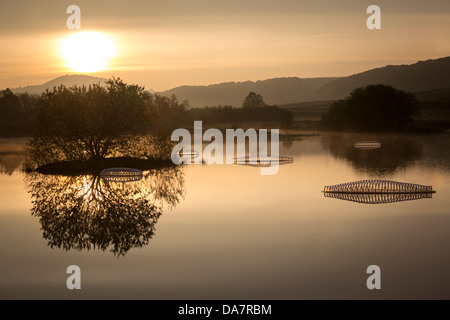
227, 232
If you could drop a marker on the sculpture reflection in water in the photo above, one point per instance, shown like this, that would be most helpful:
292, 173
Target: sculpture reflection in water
378, 191
85, 212
378, 198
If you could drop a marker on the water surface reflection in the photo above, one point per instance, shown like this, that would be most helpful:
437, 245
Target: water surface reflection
237, 234
396, 152
85, 212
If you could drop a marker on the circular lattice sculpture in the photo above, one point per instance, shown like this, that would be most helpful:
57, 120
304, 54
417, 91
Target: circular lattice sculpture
367, 145
121, 174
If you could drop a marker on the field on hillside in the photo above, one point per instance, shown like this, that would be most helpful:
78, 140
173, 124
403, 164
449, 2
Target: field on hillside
311, 111
435, 112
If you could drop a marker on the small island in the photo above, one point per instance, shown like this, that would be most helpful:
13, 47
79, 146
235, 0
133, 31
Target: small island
83, 130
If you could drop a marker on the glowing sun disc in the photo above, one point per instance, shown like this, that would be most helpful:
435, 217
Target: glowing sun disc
87, 51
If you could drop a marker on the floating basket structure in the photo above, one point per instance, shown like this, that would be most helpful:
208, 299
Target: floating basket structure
378, 186
378, 198
121, 174
367, 145
256, 161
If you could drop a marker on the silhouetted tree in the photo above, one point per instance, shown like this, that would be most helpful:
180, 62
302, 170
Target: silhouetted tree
9, 104
82, 123
169, 111
253, 100
372, 108
287, 118
16, 112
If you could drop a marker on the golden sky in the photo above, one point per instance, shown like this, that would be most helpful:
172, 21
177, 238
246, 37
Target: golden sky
163, 44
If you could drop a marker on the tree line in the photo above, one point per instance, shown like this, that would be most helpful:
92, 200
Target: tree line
19, 113
116, 120
16, 112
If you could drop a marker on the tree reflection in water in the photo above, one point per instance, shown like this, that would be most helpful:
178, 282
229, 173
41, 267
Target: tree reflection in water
396, 151
85, 212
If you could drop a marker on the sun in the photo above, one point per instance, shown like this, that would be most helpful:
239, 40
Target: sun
87, 51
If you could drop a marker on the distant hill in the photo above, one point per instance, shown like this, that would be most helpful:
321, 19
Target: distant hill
421, 76
274, 91
67, 80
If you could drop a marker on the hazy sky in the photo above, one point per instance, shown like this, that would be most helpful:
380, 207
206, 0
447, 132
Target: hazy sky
163, 44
